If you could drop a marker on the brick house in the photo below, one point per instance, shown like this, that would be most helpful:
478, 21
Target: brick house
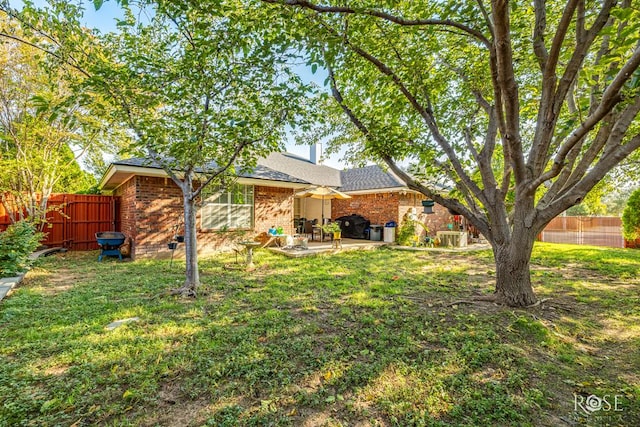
381, 196
151, 203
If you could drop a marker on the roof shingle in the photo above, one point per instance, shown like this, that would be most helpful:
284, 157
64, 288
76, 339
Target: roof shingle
259, 172
368, 178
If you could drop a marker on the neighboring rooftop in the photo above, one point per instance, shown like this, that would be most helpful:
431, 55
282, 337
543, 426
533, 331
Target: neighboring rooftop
369, 178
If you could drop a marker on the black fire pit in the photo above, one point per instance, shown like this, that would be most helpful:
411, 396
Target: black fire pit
110, 242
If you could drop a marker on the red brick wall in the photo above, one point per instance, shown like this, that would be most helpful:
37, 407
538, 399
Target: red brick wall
151, 207
127, 193
437, 221
158, 211
273, 207
383, 207
377, 208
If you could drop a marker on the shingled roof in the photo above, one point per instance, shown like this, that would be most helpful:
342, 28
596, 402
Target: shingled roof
260, 172
303, 169
368, 178
295, 170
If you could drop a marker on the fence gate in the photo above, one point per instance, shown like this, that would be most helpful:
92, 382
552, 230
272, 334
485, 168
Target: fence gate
74, 219
585, 230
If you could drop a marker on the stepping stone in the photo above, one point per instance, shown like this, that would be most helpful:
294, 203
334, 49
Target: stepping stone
111, 326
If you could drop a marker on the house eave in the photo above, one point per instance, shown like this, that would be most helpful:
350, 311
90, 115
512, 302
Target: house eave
271, 183
117, 175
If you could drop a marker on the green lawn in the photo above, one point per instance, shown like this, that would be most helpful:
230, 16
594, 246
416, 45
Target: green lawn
360, 338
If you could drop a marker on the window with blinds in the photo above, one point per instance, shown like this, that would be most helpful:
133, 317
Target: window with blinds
227, 208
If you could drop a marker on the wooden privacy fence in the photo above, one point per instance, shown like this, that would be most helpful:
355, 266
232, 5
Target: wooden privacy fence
585, 230
75, 218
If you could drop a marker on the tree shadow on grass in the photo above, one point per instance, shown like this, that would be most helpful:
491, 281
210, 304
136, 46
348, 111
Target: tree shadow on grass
336, 343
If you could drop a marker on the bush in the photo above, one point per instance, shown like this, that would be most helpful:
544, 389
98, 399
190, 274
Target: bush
16, 243
409, 231
631, 217
406, 233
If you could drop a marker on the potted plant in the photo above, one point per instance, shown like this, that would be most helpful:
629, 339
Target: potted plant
333, 228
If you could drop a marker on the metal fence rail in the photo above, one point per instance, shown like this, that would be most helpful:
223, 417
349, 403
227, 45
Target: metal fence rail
585, 230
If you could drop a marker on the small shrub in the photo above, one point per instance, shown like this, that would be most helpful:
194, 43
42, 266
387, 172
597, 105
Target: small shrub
631, 217
406, 232
16, 243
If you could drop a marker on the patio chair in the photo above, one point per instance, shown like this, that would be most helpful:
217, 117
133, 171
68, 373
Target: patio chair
318, 231
300, 225
307, 229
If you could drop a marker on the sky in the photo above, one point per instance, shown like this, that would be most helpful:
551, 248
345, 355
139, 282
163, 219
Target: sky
104, 20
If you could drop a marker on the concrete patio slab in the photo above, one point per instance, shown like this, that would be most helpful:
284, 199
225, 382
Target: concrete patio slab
317, 248
468, 248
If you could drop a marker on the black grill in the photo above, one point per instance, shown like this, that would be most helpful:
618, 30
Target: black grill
354, 226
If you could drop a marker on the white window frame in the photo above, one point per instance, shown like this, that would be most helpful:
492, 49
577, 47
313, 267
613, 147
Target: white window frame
220, 208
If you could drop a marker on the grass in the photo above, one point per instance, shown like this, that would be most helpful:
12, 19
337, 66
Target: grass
358, 338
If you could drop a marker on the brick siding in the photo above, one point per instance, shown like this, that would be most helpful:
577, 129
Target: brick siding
127, 194
273, 207
437, 221
151, 207
383, 207
377, 208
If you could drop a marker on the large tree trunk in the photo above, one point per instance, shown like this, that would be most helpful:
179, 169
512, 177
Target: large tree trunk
513, 277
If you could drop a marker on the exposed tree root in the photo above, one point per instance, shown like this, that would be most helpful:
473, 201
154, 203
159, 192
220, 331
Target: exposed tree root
186, 291
470, 301
473, 300
461, 301
537, 303
487, 298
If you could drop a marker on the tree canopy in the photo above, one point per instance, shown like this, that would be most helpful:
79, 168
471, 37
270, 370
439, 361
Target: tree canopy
520, 108
42, 130
204, 92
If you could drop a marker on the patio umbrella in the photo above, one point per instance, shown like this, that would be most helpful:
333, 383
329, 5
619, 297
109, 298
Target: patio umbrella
323, 193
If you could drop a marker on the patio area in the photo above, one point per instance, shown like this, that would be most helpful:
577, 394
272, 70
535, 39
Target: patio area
317, 247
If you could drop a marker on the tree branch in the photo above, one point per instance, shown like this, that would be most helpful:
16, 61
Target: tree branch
610, 98
479, 220
487, 17
539, 28
384, 15
595, 175
510, 108
425, 113
48, 52
553, 97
